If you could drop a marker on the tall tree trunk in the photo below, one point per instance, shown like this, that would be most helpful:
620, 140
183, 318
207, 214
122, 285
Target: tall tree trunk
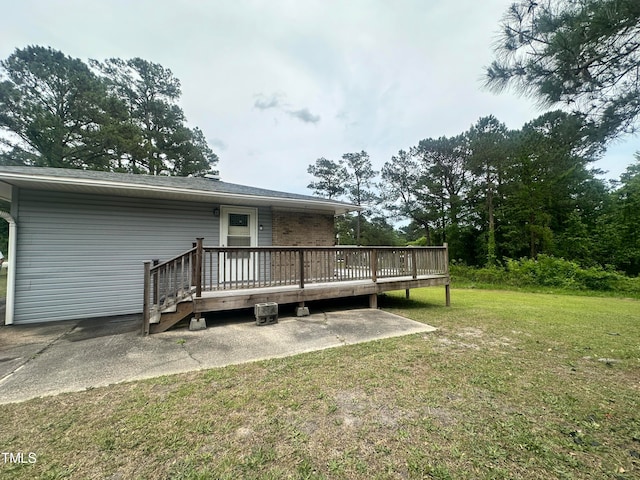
491, 240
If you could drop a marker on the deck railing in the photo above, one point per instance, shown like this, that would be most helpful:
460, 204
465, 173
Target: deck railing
168, 283
253, 267
203, 269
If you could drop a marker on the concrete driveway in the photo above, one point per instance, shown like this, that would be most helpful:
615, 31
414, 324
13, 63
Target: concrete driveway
47, 359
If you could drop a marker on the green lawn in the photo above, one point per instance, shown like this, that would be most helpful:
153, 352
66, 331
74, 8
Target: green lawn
512, 385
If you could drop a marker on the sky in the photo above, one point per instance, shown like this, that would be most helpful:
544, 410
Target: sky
276, 84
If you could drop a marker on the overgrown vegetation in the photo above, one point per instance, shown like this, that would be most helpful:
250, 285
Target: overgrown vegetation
512, 385
546, 273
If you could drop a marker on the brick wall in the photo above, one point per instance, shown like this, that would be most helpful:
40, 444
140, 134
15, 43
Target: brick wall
303, 229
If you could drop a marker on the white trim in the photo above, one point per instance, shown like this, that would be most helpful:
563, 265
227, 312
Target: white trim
122, 188
11, 270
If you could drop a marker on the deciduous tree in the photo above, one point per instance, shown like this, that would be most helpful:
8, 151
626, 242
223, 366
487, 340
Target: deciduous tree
627, 218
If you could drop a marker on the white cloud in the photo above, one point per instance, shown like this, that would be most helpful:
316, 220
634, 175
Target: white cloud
276, 85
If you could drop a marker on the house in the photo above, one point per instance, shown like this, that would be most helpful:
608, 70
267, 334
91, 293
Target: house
88, 244
82, 236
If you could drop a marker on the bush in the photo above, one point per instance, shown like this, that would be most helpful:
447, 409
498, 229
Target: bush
544, 272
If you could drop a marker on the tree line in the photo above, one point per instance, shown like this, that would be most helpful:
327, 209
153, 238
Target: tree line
492, 193
112, 115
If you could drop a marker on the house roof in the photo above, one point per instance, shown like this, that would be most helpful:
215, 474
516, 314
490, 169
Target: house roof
197, 189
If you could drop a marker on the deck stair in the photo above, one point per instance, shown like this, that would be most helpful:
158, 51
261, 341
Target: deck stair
169, 317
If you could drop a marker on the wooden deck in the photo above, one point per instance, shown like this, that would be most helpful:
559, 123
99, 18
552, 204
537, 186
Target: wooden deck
208, 279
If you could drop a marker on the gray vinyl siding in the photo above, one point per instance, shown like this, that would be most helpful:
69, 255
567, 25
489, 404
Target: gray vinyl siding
265, 235
82, 255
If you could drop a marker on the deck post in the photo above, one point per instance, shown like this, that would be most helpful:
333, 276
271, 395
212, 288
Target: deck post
156, 284
447, 287
373, 301
192, 262
146, 312
198, 272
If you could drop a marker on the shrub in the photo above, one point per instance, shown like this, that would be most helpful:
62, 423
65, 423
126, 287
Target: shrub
547, 271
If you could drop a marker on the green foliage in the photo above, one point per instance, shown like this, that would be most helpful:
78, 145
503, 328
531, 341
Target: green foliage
493, 194
489, 140
545, 271
360, 179
57, 112
162, 144
584, 54
462, 274
374, 231
626, 218
358, 188
331, 178
420, 242
352, 176
403, 193
548, 272
546, 174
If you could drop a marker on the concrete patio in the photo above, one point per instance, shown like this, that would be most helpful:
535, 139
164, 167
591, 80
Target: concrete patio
48, 359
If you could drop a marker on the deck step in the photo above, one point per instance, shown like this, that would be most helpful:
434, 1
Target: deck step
169, 318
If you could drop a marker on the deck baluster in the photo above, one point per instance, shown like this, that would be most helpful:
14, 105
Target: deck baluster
374, 264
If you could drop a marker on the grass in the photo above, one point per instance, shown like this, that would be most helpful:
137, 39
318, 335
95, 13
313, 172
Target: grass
512, 386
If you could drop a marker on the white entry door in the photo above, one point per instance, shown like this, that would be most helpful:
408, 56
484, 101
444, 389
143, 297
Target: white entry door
238, 228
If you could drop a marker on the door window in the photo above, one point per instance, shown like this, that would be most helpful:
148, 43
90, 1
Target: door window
238, 234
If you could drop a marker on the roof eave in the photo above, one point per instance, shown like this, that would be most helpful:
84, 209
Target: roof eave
157, 191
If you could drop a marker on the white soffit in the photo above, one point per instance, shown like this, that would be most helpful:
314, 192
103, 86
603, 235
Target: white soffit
108, 187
